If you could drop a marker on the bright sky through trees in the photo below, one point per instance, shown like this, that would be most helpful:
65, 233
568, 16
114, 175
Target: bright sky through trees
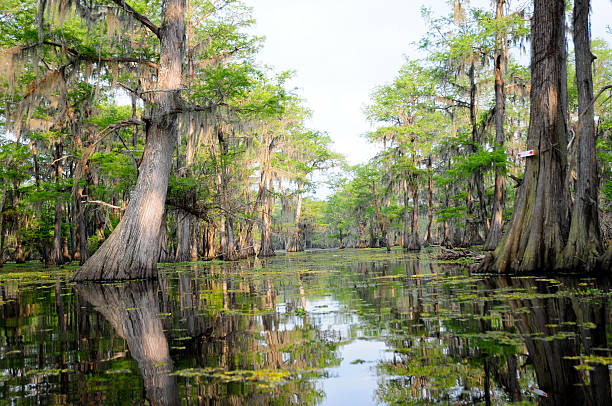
342, 49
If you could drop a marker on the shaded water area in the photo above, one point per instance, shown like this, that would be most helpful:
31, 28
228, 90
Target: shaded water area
350, 327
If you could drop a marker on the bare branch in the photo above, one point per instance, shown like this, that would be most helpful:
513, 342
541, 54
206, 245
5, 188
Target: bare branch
101, 203
59, 159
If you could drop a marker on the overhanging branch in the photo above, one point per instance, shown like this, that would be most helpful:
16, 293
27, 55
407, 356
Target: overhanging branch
139, 17
94, 58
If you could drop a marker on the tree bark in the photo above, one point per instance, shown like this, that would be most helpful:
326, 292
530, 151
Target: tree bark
297, 244
132, 250
210, 247
183, 236
539, 226
496, 229
584, 241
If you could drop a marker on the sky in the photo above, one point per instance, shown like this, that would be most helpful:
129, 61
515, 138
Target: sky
342, 49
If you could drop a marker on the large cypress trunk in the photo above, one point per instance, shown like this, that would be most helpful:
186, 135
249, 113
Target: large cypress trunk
539, 226
495, 230
584, 241
132, 250
183, 237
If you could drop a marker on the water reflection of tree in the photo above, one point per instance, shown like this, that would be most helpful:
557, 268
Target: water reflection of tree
558, 327
132, 309
430, 363
228, 319
462, 340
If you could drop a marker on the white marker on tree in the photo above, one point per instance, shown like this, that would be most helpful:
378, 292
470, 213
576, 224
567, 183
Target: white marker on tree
526, 154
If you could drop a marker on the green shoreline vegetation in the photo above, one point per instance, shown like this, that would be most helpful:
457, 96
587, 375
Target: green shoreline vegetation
85, 150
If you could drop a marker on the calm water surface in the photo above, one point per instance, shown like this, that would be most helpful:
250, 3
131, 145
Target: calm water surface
350, 327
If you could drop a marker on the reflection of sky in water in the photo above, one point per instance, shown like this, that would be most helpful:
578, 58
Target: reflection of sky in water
354, 382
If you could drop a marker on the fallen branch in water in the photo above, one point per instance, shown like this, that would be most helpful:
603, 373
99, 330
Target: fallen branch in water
454, 254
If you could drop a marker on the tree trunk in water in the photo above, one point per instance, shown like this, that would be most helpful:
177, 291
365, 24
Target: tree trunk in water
379, 220
471, 235
19, 254
497, 223
183, 236
373, 239
248, 249
57, 255
414, 244
132, 311
477, 179
228, 242
193, 242
211, 248
132, 250
297, 244
266, 249
584, 241
447, 241
429, 240
81, 227
42, 242
407, 218
539, 226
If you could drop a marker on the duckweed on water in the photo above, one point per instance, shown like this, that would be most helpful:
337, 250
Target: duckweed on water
409, 329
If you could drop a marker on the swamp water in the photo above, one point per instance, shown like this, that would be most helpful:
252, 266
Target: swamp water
350, 327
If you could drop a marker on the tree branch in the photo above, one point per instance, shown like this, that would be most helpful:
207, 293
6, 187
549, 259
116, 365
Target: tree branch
141, 18
95, 58
603, 89
518, 181
79, 169
101, 203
